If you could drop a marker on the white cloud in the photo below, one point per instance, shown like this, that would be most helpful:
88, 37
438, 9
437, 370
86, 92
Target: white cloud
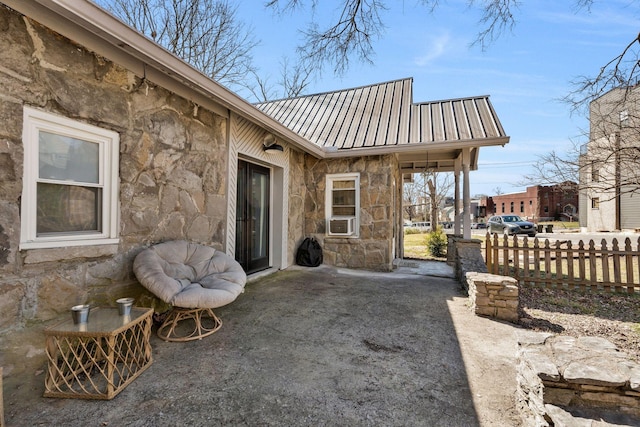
436, 48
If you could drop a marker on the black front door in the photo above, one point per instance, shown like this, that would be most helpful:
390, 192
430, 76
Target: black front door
252, 217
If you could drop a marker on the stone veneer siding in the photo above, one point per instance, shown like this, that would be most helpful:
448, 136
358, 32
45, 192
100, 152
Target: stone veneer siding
173, 171
379, 179
297, 197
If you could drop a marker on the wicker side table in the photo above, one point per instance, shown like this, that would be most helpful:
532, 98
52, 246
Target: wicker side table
97, 360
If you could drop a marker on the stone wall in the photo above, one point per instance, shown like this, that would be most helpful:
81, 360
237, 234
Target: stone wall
494, 296
173, 170
561, 375
465, 255
373, 249
297, 197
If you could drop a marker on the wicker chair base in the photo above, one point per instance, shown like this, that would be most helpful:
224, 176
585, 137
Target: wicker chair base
195, 324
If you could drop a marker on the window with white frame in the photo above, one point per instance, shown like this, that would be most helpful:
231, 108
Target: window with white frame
343, 204
70, 185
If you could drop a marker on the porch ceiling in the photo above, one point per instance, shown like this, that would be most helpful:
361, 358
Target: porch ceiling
440, 160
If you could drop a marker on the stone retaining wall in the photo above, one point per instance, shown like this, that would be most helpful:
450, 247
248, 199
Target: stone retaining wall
493, 296
465, 255
558, 373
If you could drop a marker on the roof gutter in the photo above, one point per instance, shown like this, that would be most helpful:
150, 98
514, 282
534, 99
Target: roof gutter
108, 36
417, 147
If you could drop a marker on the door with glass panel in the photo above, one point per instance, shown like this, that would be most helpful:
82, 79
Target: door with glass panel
252, 217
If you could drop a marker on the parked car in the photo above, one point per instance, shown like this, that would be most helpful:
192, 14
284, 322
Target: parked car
510, 225
478, 225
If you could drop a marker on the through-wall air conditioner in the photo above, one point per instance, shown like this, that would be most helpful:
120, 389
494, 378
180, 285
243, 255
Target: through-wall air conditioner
344, 226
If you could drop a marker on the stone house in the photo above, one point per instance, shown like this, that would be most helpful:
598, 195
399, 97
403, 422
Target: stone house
111, 144
609, 173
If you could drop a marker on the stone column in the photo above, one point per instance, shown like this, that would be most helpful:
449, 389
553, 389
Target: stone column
468, 258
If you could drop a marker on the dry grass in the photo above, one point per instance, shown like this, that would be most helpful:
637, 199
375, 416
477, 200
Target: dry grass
415, 247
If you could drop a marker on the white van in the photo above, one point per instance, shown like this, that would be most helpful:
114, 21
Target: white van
422, 226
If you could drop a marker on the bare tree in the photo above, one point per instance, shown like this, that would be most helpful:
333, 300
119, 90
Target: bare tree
205, 33
294, 80
608, 165
360, 23
426, 195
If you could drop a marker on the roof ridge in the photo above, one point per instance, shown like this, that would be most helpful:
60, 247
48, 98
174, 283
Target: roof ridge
336, 91
451, 99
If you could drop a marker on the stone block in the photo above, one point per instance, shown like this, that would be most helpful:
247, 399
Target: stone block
610, 399
512, 303
559, 396
485, 311
600, 371
36, 256
541, 364
500, 303
57, 294
507, 314
11, 296
509, 290
480, 288
483, 301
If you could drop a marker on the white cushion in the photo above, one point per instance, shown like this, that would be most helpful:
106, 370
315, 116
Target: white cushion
190, 275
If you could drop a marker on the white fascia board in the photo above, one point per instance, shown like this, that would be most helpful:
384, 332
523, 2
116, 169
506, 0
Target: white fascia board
414, 148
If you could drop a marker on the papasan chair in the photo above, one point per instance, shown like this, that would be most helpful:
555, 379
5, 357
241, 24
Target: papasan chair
194, 279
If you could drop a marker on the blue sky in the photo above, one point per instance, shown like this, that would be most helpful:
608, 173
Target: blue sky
526, 72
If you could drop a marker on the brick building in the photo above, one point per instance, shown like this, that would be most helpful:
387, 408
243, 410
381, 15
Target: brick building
536, 203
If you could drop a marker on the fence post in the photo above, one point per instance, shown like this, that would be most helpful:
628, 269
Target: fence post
629, 260
593, 271
487, 250
617, 274
606, 280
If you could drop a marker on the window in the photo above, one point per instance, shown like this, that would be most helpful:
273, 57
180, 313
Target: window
595, 203
343, 204
595, 173
511, 206
70, 190
502, 207
522, 206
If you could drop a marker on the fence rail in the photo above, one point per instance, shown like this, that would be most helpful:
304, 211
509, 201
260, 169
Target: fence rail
588, 267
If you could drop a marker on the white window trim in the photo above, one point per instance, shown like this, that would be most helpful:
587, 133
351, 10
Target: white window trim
35, 121
329, 203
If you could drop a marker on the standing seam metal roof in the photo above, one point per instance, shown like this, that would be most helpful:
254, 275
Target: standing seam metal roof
383, 115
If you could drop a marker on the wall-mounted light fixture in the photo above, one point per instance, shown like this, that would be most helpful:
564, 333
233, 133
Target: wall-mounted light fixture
269, 144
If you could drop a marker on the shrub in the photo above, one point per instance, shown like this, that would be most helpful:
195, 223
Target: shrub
436, 242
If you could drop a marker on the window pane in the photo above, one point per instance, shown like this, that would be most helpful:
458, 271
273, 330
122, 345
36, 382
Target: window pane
66, 208
344, 197
344, 211
67, 159
344, 184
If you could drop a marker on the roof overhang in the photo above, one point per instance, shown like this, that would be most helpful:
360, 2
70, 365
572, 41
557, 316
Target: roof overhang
419, 157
